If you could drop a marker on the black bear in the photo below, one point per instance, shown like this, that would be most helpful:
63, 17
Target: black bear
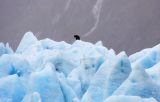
77, 37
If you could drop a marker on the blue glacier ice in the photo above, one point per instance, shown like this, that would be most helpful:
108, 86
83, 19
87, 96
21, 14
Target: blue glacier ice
5, 49
32, 97
27, 40
108, 78
11, 89
122, 98
50, 71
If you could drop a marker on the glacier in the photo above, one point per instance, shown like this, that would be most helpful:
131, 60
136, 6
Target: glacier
50, 71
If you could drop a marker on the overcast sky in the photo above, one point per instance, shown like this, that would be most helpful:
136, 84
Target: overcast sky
129, 25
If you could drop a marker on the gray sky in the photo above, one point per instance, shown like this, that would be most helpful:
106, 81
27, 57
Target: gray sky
129, 25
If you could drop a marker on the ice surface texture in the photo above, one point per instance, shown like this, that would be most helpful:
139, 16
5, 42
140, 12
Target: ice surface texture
49, 71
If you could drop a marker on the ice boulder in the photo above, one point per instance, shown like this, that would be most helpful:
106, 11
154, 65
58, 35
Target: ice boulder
139, 84
80, 77
27, 40
106, 80
46, 83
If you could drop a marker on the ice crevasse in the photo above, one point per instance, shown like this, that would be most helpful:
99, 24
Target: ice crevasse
49, 71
